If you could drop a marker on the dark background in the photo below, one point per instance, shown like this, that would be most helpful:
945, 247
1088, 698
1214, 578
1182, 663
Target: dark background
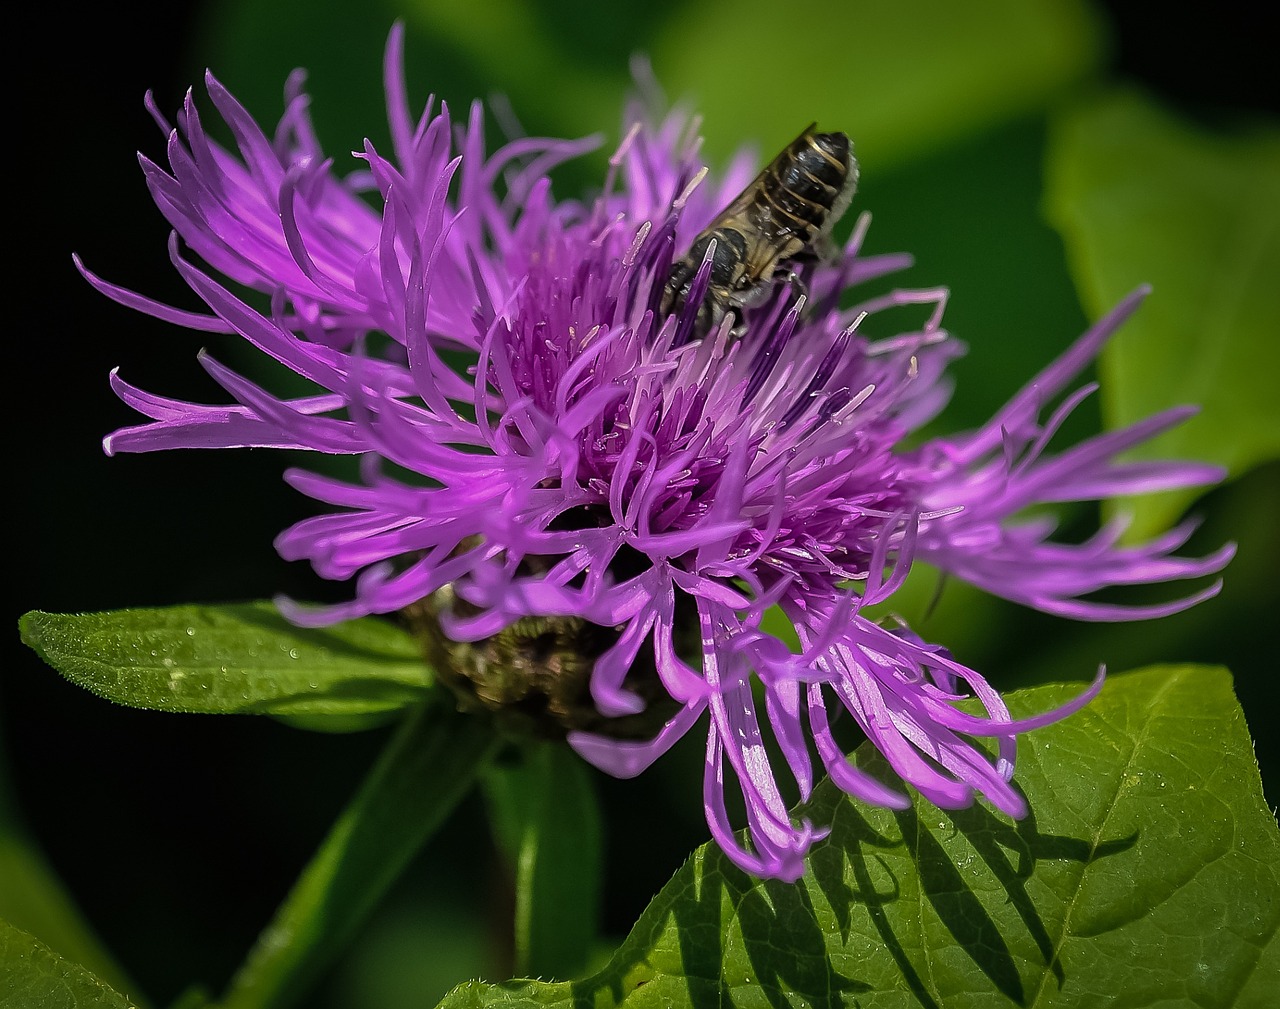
178, 834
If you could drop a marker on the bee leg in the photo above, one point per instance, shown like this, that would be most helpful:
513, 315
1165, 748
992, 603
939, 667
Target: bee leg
793, 280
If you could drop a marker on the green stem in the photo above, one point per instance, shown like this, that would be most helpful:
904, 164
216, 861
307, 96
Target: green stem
429, 765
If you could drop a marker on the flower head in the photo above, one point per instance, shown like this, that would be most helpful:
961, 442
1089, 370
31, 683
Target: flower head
595, 510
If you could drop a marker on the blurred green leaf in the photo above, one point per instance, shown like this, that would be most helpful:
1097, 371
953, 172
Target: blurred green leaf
900, 79
1148, 843
241, 658
196, 997
32, 976
547, 821
1141, 197
31, 894
34, 899
428, 767
385, 967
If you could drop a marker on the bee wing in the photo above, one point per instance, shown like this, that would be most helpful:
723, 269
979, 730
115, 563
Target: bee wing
744, 199
741, 203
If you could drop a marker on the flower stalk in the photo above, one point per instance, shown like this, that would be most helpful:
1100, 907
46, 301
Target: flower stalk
430, 764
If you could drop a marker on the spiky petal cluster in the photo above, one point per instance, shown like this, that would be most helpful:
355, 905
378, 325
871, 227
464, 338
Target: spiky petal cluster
650, 475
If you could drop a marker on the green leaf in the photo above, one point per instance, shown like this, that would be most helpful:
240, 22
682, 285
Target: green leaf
32, 976
547, 820
901, 79
1141, 197
1148, 873
242, 658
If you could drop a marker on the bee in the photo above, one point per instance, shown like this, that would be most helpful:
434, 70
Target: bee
783, 218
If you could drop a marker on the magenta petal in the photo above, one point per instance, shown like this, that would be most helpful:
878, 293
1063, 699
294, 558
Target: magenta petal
626, 759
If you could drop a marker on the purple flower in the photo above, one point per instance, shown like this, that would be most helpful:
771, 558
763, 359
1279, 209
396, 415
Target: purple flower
595, 479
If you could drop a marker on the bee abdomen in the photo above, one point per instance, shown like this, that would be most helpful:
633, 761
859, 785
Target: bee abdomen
806, 180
